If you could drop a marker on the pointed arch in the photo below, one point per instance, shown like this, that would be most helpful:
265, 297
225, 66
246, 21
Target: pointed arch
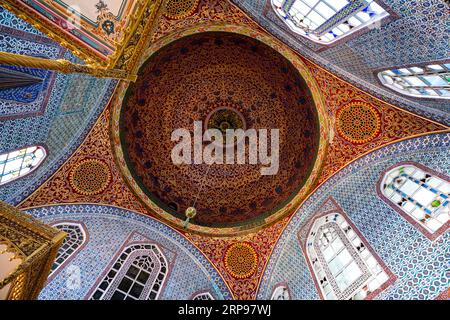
281, 292
18, 163
138, 273
206, 295
419, 194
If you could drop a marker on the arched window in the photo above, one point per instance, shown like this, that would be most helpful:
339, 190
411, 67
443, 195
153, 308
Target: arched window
420, 195
426, 81
76, 237
281, 292
203, 296
325, 21
137, 274
342, 264
19, 163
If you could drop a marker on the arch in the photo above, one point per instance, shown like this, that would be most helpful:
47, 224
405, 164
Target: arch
75, 240
342, 263
21, 162
390, 234
318, 98
138, 273
419, 194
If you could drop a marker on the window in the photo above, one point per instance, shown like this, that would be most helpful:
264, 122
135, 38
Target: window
76, 237
429, 81
19, 163
280, 293
203, 296
420, 195
342, 264
137, 274
325, 21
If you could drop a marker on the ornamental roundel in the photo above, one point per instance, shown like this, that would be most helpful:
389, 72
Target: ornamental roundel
90, 177
241, 260
358, 122
179, 9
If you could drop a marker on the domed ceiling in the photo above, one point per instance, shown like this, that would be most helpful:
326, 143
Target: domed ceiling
226, 81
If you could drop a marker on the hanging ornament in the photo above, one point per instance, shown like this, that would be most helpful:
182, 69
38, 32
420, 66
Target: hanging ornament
190, 213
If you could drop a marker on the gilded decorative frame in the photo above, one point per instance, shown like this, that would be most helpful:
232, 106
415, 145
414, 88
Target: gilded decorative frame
243, 229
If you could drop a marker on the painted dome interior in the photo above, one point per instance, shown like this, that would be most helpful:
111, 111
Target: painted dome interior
225, 81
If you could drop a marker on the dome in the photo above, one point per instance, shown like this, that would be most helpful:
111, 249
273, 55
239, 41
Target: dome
226, 81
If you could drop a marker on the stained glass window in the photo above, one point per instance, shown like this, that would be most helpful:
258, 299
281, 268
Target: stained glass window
280, 293
137, 274
325, 21
341, 262
419, 194
429, 81
203, 296
76, 236
18, 163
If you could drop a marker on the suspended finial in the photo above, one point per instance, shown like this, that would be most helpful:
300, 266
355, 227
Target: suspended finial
190, 213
